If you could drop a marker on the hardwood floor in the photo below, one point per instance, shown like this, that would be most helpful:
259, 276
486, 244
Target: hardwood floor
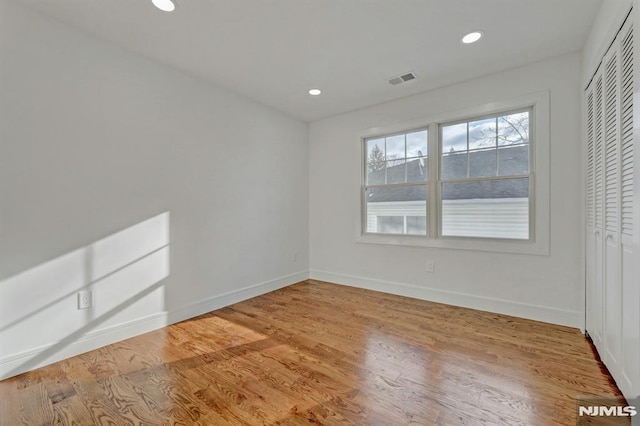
318, 353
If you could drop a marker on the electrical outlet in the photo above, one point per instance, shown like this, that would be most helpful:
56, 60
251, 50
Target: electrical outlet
294, 256
85, 299
431, 266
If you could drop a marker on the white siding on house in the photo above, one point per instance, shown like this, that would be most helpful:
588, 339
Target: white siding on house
495, 218
492, 218
392, 208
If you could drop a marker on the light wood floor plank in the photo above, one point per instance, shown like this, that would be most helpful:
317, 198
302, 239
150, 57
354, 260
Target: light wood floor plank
323, 354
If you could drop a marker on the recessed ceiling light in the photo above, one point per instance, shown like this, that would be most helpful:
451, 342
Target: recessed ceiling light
472, 37
315, 92
164, 5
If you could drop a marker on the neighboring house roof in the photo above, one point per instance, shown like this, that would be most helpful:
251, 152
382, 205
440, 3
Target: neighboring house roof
510, 161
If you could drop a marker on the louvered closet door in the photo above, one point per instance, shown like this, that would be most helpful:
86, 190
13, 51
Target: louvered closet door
612, 291
613, 284
590, 238
595, 253
629, 377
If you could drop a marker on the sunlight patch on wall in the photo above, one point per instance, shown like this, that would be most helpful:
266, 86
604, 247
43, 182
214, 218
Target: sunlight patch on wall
38, 307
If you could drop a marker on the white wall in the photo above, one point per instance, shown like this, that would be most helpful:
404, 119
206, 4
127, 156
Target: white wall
548, 288
164, 195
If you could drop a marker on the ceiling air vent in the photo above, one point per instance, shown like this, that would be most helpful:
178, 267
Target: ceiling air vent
394, 81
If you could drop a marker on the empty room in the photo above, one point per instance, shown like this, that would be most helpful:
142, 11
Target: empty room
283, 212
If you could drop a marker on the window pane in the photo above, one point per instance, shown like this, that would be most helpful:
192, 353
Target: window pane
454, 151
376, 173
375, 150
400, 201
417, 144
454, 138
483, 163
417, 170
513, 128
454, 165
390, 224
417, 225
492, 209
395, 147
482, 133
513, 160
396, 172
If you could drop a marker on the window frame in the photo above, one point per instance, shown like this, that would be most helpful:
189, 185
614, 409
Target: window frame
365, 184
539, 146
530, 176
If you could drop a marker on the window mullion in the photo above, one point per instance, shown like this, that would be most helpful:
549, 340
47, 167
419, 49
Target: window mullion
406, 171
433, 152
468, 155
497, 147
385, 161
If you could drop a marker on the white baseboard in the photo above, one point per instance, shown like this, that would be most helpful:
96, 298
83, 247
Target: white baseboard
15, 364
499, 306
19, 363
235, 296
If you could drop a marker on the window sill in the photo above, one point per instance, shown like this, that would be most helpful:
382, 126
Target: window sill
540, 248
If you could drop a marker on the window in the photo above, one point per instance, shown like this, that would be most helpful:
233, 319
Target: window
395, 191
473, 180
484, 177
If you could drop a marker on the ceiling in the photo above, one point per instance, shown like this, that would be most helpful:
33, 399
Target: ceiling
274, 51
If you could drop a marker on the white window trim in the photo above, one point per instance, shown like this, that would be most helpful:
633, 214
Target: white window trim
540, 127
